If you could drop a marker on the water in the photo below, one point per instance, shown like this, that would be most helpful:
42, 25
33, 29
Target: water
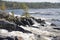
52, 15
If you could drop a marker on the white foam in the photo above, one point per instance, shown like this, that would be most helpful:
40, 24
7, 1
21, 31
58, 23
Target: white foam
25, 36
10, 13
48, 23
17, 15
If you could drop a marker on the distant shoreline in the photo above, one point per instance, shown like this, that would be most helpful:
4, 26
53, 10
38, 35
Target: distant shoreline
35, 8
41, 5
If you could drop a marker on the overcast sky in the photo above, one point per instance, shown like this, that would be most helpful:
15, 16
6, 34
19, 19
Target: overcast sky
35, 0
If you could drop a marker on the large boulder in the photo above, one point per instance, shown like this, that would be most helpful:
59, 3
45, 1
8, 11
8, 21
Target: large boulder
11, 26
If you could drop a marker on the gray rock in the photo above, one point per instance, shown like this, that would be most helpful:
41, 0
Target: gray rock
11, 27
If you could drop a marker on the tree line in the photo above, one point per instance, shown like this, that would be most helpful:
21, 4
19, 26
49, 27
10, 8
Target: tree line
37, 5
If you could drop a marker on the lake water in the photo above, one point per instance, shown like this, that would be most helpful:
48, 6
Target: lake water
52, 15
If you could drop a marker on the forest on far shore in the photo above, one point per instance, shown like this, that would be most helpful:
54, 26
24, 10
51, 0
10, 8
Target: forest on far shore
37, 5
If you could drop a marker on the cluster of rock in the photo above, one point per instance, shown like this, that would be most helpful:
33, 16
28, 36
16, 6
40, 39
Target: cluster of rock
13, 25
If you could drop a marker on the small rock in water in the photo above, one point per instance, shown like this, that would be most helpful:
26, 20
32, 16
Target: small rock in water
57, 28
53, 24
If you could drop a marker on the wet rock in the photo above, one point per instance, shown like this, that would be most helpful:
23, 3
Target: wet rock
7, 38
30, 21
21, 29
34, 26
7, 25
53, 24
16, 38
37, 37
11, 27
41, 22
56, 38
23, 21
57, 28
18, 22
27, 21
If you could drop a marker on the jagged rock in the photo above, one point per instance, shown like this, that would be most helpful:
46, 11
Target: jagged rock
11, 26
27, 21
38, 20
41, 22
18, 22
24, 22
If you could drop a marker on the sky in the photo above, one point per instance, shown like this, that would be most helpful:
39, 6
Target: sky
53, 1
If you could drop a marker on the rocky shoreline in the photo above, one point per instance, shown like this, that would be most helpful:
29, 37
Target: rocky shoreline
22, 28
